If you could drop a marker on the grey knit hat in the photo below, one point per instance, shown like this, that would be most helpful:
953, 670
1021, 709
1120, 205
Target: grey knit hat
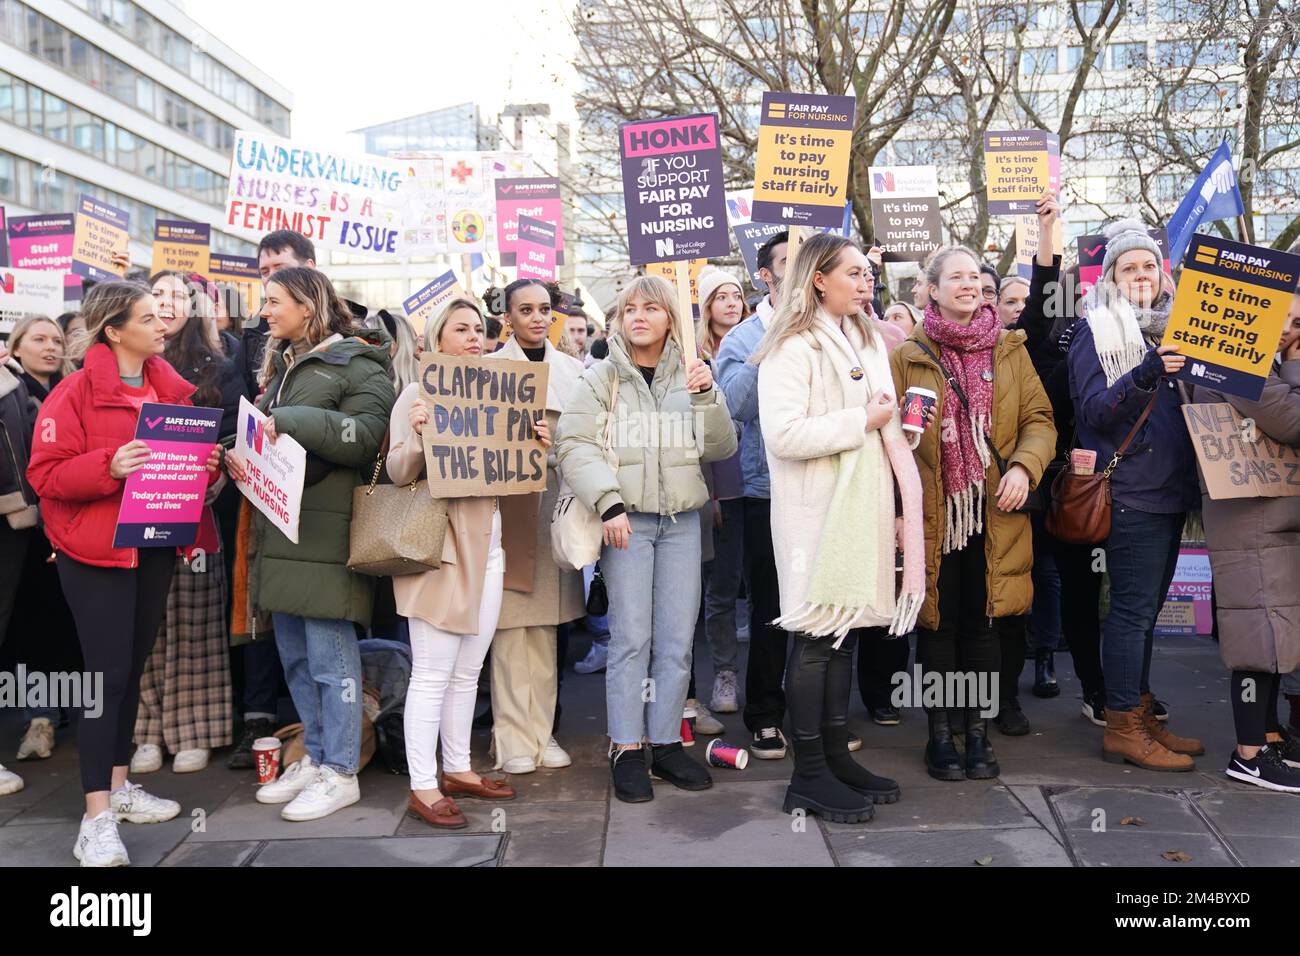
1125, 235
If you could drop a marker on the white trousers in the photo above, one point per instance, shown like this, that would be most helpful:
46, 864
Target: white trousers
444, 681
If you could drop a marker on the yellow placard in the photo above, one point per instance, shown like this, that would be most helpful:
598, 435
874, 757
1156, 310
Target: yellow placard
181, 247
1027, 242
801, 170
100, 233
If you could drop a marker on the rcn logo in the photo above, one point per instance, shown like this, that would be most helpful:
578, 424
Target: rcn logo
883, 182
787, 212
150, 532
253, 433
663, 247
1198, 369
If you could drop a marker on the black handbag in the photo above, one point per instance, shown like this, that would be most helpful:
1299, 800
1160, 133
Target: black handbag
1034, 500
597, 596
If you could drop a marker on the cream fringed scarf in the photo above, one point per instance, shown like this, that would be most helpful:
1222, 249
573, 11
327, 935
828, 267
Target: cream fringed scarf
1121, 333
853, 574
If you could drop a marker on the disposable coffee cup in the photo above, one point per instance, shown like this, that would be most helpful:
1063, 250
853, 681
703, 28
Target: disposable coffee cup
719, 753
266, 754
917, 402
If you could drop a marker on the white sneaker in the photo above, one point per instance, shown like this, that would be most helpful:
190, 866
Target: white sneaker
595, 660
134, 804
296, 776
724, 693
38, 741
146, 759
190, 761
519, 765
705, 722
328, 791
98, 843
554, 757
10, 782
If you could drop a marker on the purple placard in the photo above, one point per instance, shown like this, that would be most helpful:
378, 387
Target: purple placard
98, 226
45, 242
536, 249
538, 197
162, 503
673, 190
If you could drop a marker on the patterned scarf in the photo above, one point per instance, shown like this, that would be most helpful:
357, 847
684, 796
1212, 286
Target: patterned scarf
967, 353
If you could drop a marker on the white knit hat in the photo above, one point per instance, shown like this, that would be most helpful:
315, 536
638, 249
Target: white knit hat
711, 279
1125, 235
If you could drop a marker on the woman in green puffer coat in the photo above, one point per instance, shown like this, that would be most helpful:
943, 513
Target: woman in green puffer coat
327, 387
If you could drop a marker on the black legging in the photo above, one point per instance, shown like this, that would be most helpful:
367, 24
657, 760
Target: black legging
1258, 716
818, 678
880, 657
1011, 648
965, 640
118, 612
1080, 610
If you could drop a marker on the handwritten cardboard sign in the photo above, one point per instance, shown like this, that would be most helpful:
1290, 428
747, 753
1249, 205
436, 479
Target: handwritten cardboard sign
1233, 466
1228, 314
99, 233
162, 503
480, 439
181, 246
449, 202
1019, 166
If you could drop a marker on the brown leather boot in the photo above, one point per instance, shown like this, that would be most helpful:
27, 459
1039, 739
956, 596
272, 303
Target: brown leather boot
1160, 731
1127, 739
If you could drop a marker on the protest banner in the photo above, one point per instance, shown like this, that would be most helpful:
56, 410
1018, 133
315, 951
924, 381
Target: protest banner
162, 503
1027, 243
347, 201
1238, 460
750, 237
241, 273
4, 239
536, 197
25, 292
480, 439
536, 246
1187, 610
449, 203
424, 305
905, 211
181, 246
1092, 250
801, 172
100, 232
1228, 313
668, 270
672, 187
1019, 166
275, 470
45, 242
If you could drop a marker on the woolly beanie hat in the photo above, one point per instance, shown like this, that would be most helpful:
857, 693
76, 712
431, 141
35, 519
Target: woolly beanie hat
1125, 235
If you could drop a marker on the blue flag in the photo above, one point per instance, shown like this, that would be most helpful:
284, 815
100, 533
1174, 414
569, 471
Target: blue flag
1213, 196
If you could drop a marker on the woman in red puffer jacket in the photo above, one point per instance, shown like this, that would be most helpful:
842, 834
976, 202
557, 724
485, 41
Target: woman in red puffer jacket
82, 452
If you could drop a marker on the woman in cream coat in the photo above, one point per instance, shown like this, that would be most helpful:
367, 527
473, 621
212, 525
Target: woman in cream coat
454, 610
834, 448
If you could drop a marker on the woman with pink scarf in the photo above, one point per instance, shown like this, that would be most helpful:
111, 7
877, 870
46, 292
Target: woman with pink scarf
995, 438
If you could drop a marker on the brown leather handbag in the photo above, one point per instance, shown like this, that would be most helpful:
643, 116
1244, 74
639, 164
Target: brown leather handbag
1080, 509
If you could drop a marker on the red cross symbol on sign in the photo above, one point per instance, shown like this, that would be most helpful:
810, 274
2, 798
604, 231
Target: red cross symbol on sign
461, 172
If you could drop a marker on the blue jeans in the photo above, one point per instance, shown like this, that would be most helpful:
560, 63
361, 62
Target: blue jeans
1141, 556
654, 599
724, 585
322, 665
1045, 618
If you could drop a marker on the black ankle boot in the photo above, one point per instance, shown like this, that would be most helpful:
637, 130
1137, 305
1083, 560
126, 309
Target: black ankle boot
670, 762
1011, 720
1045, 675
814, 789
941, 757
981, 764
835, 743
630, 772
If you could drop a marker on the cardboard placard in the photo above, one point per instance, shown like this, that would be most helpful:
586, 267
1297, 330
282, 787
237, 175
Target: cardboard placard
1019, 166
424, 305
905, 211
480, 439
673, 190
536, 249
1027, 242
347, 201
668, 272
537, 197
275, 471
1092, 251
99, 233
25, 292
181, 246
449, 204
241, 272
801, 171
1228, 314
45, 242
162, 503
1239, 461
1187, 610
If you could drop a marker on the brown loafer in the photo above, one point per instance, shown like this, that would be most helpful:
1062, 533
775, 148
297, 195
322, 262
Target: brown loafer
444, 813
485, 789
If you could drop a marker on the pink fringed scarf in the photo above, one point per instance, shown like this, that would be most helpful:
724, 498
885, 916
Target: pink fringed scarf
967, 353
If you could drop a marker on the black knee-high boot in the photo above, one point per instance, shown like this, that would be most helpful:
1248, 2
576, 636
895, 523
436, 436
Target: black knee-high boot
835, 729
813, 787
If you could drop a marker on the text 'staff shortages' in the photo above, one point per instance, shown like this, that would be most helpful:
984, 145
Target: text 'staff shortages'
1228, 314
801, 173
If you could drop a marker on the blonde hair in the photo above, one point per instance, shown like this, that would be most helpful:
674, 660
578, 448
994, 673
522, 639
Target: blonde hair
21, 329
327, 313
653, 289
800, 303
434, 330
705, 340
107, 306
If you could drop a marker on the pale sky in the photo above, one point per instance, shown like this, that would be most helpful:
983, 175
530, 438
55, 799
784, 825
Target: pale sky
353, 64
